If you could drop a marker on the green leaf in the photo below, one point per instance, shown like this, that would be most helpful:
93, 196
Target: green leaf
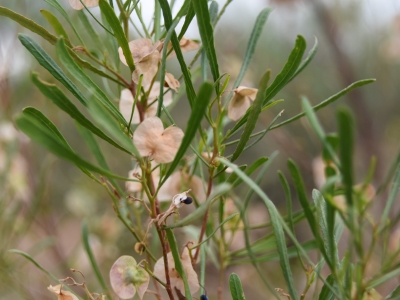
277, 224
40, 267
252, 168
312, 118
37, 115
191, 94
233, 177
55, 23
303, 199
194, 122
395, 294
215, 231
292, 252
114, 23
95, 267
104, 119
90, 140
346, 141
255, 111
32, 260
178, 263
49, 64
28, 23
91, 31
184, 10
171, 30
188, 19
217, 192
326, 293
290, 68
53, 93
86, 81
62, 11
383, 278
392, 197
283, 78
327, 101
329, 239
236, 287
52, 39
207, 37
34, 128
307, 60
251, 45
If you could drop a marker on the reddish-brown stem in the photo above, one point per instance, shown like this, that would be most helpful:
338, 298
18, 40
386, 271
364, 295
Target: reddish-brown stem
165, 247
165, 257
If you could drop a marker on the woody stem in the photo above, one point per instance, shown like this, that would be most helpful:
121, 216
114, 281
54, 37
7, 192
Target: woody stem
155, 212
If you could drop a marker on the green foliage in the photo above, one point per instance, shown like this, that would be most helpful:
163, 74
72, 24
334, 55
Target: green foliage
197, 173
236, 287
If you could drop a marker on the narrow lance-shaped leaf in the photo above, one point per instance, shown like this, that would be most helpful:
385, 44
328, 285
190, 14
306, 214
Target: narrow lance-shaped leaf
42, 135
62, 11
194, 122
251, 169
163, 66
53, 93
255, 111
326, 293
312, 118
236, 287
277, 224
86, 81
191, 94
327, 101
178, 263
103, 118
301, 193
282, 78
251, 45
28, 23
114, 23
207, 37
93, 262
307, 60
44, 121
346, 140
392, 197
91, 141
52, 39
49, 64
55, 23
329, 239
188, 19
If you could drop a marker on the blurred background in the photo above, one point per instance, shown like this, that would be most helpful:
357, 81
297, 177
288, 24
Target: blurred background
43, 200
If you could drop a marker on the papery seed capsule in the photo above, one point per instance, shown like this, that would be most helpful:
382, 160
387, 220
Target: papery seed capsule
188, 200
